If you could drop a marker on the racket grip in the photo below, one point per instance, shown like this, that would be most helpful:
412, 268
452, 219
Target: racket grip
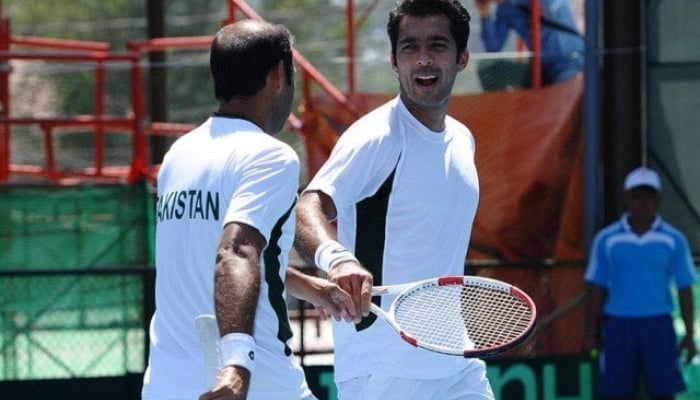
208, 331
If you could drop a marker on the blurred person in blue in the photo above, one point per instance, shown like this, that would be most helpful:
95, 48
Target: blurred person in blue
562, 43
632, 265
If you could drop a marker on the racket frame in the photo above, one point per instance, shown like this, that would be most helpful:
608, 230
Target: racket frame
402, 290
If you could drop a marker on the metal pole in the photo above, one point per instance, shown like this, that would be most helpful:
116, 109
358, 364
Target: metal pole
622, 95
591, 116
536, 33
351, 46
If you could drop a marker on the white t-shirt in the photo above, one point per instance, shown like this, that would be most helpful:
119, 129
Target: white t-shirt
406, 199
225, 170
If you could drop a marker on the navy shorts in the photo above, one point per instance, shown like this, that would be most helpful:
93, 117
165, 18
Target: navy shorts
639, 348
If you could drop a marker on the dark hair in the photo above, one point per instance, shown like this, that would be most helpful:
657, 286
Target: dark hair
242, 55
452, 9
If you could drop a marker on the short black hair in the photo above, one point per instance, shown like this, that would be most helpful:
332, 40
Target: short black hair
452, 9
242, 55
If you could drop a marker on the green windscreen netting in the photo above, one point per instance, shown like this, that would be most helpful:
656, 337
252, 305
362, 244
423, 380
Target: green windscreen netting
59, 227
74, 280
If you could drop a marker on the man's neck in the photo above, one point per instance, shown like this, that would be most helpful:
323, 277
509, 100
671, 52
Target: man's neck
640, 225
433, 119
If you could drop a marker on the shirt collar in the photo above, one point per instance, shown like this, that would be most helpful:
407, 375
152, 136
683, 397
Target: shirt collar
627, 228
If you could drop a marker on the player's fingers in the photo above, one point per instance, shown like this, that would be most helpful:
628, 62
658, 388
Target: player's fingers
690, 354
353, 316
350, 277
358, 299
343, 302
220, 393
322, 314
366, 295
345, 282
205, 396
338, 302
214, 393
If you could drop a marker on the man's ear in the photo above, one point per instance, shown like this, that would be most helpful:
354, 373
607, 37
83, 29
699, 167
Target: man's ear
276, 76
462, 60
393, 63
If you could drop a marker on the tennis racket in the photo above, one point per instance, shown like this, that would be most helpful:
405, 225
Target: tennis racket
208, 331
459, 315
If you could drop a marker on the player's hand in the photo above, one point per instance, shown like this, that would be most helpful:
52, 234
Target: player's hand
331, 301
688, 345
233, 385
592, 344
357, 282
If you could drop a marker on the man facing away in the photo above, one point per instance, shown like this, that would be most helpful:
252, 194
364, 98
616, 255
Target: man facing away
225, 226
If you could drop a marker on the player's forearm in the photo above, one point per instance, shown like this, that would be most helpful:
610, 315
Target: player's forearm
237, 278
300, 285
236, 292
314, 213
687, 307
596, 299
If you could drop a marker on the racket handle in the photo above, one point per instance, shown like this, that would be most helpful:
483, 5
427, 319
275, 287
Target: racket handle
208, 331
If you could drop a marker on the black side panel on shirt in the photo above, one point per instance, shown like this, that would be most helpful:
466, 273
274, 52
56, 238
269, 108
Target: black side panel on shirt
276, 284
370, 237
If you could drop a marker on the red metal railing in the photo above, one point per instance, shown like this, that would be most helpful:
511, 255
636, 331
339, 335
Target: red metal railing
65, 50
135, 122
4, 99
535, 22
70, 51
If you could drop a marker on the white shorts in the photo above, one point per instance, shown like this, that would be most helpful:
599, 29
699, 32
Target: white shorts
468, 384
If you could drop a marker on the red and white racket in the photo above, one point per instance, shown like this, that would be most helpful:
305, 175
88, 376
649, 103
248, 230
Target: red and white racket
465, 316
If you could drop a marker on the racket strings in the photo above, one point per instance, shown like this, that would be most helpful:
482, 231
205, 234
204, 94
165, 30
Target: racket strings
433, 317
455, 318
493, 317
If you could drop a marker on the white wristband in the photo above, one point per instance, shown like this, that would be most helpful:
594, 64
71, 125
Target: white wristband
330, 254
238, 349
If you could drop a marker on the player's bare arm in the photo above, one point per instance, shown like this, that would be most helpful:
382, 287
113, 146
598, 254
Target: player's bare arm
687, 307
326, 297
315, 212
596, 300
236, 291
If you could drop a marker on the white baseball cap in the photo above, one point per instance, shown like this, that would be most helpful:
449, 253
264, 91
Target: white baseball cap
642, 176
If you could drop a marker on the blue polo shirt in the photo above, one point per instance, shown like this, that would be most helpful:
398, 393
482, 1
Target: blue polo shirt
638, 270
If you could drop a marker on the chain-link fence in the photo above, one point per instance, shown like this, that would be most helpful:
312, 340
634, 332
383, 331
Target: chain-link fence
72, 324
75, 283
